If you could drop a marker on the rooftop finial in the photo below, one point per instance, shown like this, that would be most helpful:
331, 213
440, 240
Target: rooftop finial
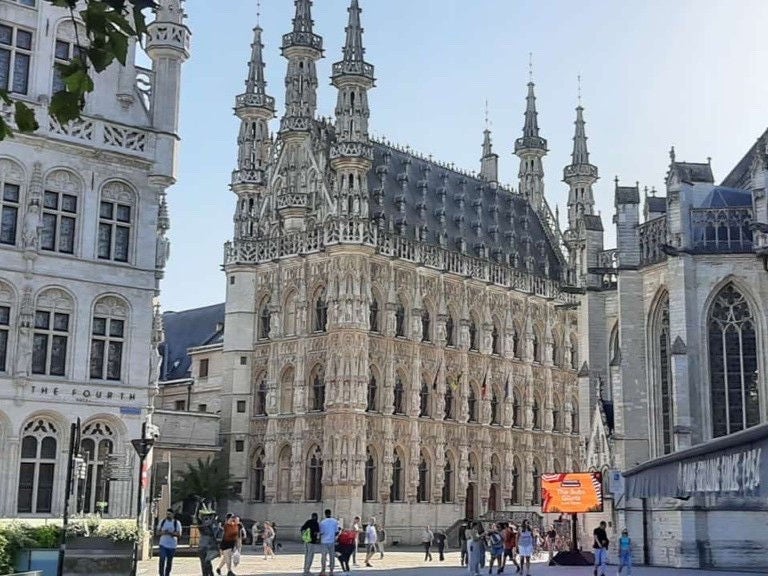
530, 66
487, 122
258, 13
578, 89
672, 154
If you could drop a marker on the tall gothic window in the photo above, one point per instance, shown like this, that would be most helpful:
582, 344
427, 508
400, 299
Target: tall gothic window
369, 490
663, 374
264, 319
51, 336
447, 495
5, 320
536, 485
399, 402
425, 327
59, 222
396, 489
517, 410
449, 330
732, 363
494, 408
373, 315
16, 48
321, 313
9, 212
96, 448
472, 405
535, 344
107, 339
372, 393
516, 352
115, 220
473, 335
315, 476
422, 492
495, 340
400, 320
536, 414
318, 392
258, 485
424, 399
37, 468
261, 398
449, 403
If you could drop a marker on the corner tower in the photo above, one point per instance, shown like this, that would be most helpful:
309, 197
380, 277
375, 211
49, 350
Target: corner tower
531, 148
352, 153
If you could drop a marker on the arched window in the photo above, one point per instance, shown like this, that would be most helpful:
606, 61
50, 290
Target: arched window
426, 327
107, 338
536, 414
424, 399
422, 492
258, 490
663, 374
473, 335
96, 447
732, 363
289, 315
494, 408
116, 216
372, 394
517, 410
400, 320
69, 38
399, 403
6, 313
317, 403
536, 345
516, 489
449, 332
37, 467
286, 392
370, 487
321, 313
284, 475
556, 418
373, 315
555, 349
396, 489
448, 481
449, 403
472, 405
264, 319
495, 340
315, 476
12, 180
260, 408
61, 200
536, 484
52, 331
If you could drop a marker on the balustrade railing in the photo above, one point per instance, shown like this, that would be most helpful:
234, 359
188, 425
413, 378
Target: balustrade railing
653, 234
722, 230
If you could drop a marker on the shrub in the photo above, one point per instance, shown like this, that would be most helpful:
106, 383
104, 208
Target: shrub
6, 561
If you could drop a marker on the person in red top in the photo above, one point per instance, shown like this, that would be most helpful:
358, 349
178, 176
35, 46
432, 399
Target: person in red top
510, 543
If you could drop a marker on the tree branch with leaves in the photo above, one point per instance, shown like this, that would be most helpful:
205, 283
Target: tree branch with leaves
109, 27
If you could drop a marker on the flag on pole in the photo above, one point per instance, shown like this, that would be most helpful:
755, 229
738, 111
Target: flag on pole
434, 382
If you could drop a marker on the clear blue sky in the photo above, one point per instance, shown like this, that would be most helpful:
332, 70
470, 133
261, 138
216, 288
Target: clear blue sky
655, 73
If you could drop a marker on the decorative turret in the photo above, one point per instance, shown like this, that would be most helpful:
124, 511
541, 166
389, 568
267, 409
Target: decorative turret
352, 153
302, 48
531, 148
489, 163
580, 175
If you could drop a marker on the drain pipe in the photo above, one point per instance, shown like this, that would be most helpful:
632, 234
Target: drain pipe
646, 547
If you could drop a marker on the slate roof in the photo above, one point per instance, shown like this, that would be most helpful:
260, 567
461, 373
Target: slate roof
692, 172
593, 222
184, 330
627, 195
722, 197
739, 176
410, 194
657, 204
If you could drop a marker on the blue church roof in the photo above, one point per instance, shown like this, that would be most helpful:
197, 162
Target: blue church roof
188, 329
723, 197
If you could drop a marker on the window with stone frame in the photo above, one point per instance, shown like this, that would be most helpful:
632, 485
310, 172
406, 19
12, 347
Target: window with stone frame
370, 487
732, 338
61, 202
517, 410
202, 368
536, 347
260, 406
258, 484
9, 212
398, 479
5, 321
116, 215
495, 340
108, 339
265, 317
321, 313
426, 326
663, 374
450, 332
516, 488
448, 403
424, 400
372, 397
15, 59
472, 405
473, 344
536, 484
399, 397
448, 480
373, 315
495, 416
317, 398
66, 49
536, 415
96, 447
50, 341
315, 475
516, 349
422, 491
400, 320
37, 467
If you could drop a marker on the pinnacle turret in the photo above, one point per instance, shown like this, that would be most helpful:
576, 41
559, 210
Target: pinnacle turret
255, 83
580, 153
531, 138
580, 175
531, 148
489, 162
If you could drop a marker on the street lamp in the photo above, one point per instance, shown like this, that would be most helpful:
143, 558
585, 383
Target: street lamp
142, 446
74, 449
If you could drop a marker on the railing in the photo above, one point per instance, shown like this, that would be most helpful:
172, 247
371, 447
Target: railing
358, 231
608, 264
653, 234
722, 230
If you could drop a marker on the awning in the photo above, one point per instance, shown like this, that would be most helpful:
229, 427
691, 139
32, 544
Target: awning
734, 465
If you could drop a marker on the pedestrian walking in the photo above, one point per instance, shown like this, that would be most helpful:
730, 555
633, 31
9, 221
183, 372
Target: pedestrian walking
208, 546
371, 537
268, 536
625, 552
551, 539
345, 547
310, 535
496, 545
440, 539
169, 530
381, 539
526, 546
475, 549
510, 544
463, 539
600, 545
358, 528
329, 527
427, 536
228, 544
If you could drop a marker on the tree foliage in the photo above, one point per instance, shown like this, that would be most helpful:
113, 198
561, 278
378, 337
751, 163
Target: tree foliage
205, 480
109, 25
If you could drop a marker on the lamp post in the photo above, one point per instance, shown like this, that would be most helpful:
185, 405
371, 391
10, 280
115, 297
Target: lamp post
142, 446
74, 448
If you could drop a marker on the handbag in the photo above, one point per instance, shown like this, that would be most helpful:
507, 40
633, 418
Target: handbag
236, 558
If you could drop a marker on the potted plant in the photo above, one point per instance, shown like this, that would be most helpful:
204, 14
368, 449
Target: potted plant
100, 546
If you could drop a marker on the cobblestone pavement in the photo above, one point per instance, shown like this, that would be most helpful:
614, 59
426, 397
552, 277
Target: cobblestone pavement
397, 561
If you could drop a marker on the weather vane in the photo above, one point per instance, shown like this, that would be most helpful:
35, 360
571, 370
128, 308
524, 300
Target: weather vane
530, 66
578, 82
258, 12
487, 122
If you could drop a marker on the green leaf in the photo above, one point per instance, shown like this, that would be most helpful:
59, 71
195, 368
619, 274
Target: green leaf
5, 97
5, 130
78, 82
65, 107
119, 43
25, 118
100, 54
119, 22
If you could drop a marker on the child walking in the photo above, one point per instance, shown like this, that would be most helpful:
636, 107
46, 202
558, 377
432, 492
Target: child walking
625, 552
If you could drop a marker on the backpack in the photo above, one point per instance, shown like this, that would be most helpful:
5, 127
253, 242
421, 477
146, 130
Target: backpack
306, 536
495, 539
347, 537
231, 532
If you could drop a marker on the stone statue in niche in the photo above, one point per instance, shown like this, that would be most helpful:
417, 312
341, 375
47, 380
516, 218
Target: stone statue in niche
30, 234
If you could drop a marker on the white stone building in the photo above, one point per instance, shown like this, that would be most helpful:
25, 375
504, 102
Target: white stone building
82, 250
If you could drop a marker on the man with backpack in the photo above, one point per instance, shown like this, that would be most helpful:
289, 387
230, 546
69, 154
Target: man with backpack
169, 530
310, 532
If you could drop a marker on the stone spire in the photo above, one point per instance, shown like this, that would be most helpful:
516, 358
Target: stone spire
531, 148
352, 154
302, 48
580, 175
489, 162
256, 84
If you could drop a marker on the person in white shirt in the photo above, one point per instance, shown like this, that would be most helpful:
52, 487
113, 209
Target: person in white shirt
370, 541
329, 528
169, 530
358, 529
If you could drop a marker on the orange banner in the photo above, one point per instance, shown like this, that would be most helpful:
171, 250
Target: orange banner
572, 492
